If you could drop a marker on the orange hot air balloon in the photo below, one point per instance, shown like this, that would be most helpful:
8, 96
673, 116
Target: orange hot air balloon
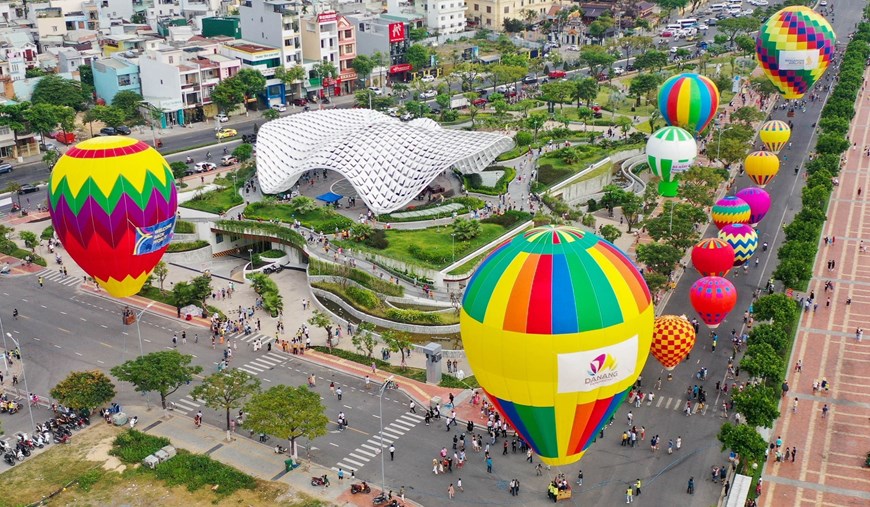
673, 339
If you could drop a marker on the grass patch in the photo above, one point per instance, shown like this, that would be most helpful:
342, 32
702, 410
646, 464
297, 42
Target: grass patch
517, 151
552, 168
133, 446
184, 227
468, 204
321, 268
196, 471
467, 266
215, 201
47, 233
186, 246
367, 302
277, 231
474, 182
322, 218
9, 247
153, 292
272, 254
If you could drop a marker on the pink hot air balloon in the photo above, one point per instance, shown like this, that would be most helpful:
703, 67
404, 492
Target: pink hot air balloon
759, 203
713, 297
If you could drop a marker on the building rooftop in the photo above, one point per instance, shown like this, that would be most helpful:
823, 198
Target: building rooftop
248, 47
116, 63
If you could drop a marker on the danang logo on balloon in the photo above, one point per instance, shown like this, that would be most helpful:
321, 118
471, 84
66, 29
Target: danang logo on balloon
601, 368
154, 237
589, 370
803, 59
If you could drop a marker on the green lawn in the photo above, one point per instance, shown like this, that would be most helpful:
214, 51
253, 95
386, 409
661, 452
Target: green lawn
513, 153
215, 201
323, 218
468, 265
552, 169
429, 248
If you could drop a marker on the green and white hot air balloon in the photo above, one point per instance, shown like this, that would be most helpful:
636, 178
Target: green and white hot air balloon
670, 151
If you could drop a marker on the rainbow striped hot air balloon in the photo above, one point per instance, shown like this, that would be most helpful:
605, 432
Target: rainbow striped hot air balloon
758, 201
794, 48
730, 210
761, 167
113, 202
743, 239
557, 325
774, 134
673, 339
689, 101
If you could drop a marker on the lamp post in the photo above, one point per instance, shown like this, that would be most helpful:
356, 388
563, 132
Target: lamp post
141, 351
251, 253
151, 110
386, 383
453, 245
5, 348
24, 375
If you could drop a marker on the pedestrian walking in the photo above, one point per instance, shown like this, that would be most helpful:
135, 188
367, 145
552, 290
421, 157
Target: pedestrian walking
41, 281
392, 452
175, 340
338, 393
451, 491
691, 489
184, 337
412, 406
794, 405
629, 416
580, 478
629, 495
459, 484
489, 464
340, 474
637, 487
825, 410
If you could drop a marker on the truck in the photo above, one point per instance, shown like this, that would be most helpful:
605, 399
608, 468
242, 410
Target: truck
458, 102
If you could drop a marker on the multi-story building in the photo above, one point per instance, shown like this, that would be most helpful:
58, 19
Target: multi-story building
346, 54
441, 16
17, 48
388, 37
196, 10
262, 58
276, 23
490, 14
114, 74
320, 44
50, 22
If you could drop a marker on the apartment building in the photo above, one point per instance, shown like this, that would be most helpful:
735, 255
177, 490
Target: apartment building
262, 58
346, 53
320, 44
490, 14
441, 17
114, 74
277, 23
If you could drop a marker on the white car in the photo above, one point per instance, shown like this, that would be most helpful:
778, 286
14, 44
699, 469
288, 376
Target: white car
823, 3
573, 48
203, 167
702, 26
674, 49
618, 70
747, 12
221, 117
376, 90
393, 111
279, 107
428, 79
428, 94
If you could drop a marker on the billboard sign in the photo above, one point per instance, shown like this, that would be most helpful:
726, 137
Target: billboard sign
397, 32
402, 67
327, 17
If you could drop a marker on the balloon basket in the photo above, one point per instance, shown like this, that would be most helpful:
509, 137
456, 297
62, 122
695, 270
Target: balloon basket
668, 188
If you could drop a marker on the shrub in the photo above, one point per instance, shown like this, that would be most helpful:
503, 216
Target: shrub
184, 227
378, 239
425, 255
273, 254
186, 246
362, 297
133, 446
474, 182
508, 218
523, 138
196, 470
413, 316
47, 233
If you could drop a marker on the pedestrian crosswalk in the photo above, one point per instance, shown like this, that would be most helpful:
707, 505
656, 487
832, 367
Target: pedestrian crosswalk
374, 446
186, 404
58, 277
263, 363
250, 338
677, 404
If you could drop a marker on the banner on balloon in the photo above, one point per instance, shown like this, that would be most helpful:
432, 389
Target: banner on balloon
799, 59
584, 371
154, 237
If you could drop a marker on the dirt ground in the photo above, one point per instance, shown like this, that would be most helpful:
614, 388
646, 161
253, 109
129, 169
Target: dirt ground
104, 480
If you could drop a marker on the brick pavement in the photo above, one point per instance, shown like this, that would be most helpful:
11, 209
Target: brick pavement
832, 449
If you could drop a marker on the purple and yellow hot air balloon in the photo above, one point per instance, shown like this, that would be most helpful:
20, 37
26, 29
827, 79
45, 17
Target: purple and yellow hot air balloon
794, 48
557, 325
689, 101
730, 210
743, 239
759, 203
113, 202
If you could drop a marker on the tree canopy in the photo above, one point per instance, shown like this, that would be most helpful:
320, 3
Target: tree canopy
56, 90
226, 390
84, 390
287, 412
163, 372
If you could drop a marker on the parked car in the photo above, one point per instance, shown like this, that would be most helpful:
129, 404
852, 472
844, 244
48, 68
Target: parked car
28, 189
480, 102
428, 94
557, 74
64, 137
666, 33
224, 133
204, 167
573, 48
123, 130
249, 138
229, 160
300, 102
279, 107
428, 78
376, 90
406, 117
618, 71
108, 131
47, 147
222, 117
5, 167
530, 79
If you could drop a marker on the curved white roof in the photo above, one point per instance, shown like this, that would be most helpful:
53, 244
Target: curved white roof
388, 162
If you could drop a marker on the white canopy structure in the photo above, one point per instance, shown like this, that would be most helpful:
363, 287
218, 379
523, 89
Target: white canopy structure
387, 162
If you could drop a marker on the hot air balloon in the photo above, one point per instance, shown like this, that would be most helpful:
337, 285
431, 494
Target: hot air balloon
713, 297
794, 48
743, 239
689, 101
761, 167
112, 202
774, 134
713, 257
730, 210
673, 339
571, 318
758, 201
670, 151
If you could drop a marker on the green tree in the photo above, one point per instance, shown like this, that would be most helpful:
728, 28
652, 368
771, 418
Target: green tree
396, 341
676, 225
164, 372
667, 6
732, 27
194, 292
364, 340
632, 43
50, 157
128, 101
557, 91
779, 308
770, 334
832, 143
84, 390
632, 208
512, 25
29, 238
418, 34
745, 43
762, 361
610, 232
596, 58
465, 229
744, 441
363, 65
726, 149
86, 75
814, 197
651, 60
58, 91
43, 117
322, 321
161, 271
418, 56
110, 116
585, 90
228, 94
655, 281
179, 169
243, 152
287, 412
13, 116
747, 115
271, 114
642, 85
599, 27
470, 75
759, 405
443, 101
659, 257
251, 82
535, 122
793, 272
227, 390
292, 76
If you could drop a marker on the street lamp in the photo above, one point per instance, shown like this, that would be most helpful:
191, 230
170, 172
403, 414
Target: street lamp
386, 383
5, 348
251, 253
453, 245
24, 375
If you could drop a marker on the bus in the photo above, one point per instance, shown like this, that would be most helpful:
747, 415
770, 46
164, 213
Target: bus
686, 23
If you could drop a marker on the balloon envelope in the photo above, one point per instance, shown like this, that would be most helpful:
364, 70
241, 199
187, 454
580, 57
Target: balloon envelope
758, 201
673, 339
670, 151
774, 134
112, 202
761, 167
743, 239
794, 48
713, 297
713, 257
557, 325
730, 210
689, 101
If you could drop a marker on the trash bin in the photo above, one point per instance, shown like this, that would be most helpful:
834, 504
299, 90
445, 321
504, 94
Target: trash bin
289, 465
119, 419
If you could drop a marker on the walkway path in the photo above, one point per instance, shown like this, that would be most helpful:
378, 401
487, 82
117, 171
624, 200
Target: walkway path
832, 449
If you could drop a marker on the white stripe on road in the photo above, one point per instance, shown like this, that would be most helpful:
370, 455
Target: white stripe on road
361, 458
375, 449
369, 454
359, 465
252, 372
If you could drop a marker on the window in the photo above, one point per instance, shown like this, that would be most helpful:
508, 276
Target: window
489, 10
507, 10
124, 80
476, 7
171, 59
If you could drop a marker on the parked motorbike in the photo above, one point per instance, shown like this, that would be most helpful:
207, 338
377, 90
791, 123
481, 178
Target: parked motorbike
380, 499
9, 458
61, 438
320, 481
360, 488
23, 449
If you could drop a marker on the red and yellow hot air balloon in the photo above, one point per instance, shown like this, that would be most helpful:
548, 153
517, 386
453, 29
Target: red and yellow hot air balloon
673, 339
774, 134
113, 202
713, 257
761, 167
713, 297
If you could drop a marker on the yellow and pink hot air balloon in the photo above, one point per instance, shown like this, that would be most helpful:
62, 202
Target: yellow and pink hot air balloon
112, 202
571, 320
774, 134
761, 167
673, 339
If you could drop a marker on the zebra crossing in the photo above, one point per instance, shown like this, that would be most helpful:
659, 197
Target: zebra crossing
58, 277
373, 446
249, 338
263, 363
677, 404
186, 404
